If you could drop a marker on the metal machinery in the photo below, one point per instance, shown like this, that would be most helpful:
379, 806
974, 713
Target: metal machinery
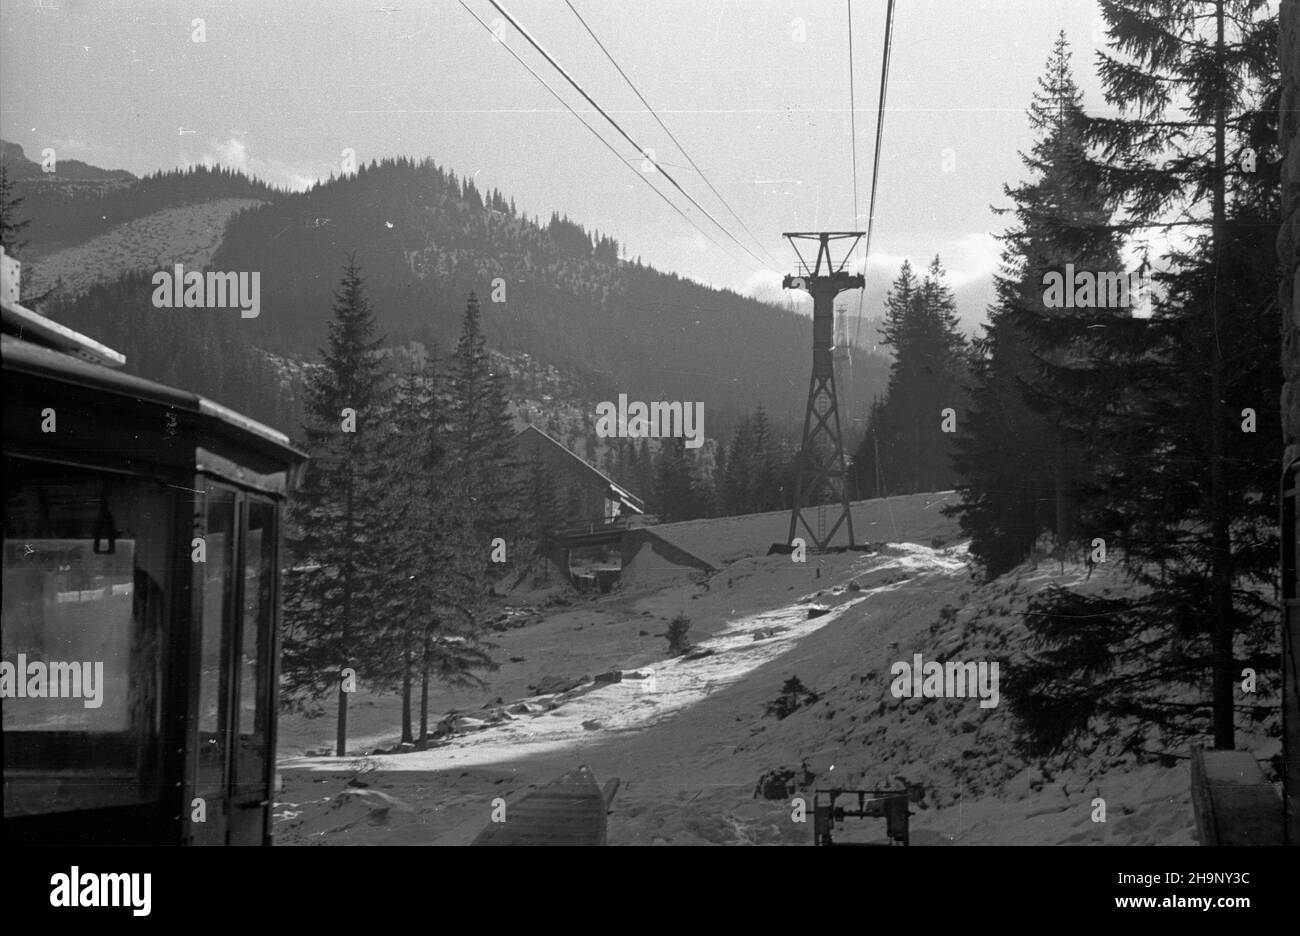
890, 805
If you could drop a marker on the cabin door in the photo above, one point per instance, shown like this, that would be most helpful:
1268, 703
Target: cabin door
250, 790
232, 783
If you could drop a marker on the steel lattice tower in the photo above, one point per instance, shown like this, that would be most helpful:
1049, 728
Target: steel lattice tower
821, 460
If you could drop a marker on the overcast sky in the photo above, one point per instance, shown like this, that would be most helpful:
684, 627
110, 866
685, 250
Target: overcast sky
756, 90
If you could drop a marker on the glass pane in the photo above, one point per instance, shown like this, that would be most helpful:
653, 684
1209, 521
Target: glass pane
259, 554
85, 560
216, 575
218, 585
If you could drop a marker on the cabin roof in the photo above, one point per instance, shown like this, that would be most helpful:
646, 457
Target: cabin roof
34, 345
36, 328
613, 490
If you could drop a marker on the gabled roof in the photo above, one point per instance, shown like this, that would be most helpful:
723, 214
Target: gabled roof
613, 491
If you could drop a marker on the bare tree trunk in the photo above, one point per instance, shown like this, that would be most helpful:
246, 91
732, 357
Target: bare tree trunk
1062, 515
424, 688
342, 739
406, 690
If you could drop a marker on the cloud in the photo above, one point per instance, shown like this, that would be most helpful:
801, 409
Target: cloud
74, 147
973, 258
765, 286
970, 262
233, 153
878, 265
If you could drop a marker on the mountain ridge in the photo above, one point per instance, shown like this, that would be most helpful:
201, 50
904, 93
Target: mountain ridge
425, 239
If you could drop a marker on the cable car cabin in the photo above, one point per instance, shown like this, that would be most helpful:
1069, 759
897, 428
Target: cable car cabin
141, 601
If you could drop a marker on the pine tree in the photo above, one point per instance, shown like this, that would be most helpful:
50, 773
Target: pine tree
544, 513
480, 437
899, 302
1023, 455
407, 463
431, 605
338, 579
737, 481
878, 448
1187, 496
646, 478
11, 228
868, 460
929, 375
762, 478
676, 489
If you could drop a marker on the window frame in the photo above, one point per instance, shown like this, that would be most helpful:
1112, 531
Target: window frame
156, 820
234, 807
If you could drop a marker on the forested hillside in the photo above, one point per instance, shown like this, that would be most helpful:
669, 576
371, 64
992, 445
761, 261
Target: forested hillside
202, 351
425, 240
77, 202
551, 291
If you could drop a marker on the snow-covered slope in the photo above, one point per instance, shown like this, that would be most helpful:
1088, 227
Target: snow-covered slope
690, 750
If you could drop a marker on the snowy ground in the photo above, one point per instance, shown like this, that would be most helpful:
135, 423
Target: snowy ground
690, 750
658, 692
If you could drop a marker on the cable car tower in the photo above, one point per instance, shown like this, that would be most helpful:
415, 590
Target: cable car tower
822, 463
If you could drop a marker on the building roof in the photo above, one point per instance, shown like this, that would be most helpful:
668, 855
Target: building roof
613, 491
36, 328
33, 344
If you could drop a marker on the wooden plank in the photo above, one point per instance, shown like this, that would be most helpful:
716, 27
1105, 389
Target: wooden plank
567, 811
1232, 802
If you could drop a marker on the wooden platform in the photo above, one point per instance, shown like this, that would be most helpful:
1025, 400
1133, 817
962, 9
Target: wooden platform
1234, 804
567, 811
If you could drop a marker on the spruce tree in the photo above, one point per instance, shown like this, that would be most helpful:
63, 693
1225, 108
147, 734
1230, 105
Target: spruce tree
762, 475
676, 489
405, 466
646, 478
737, 482
544, 513
929, 374
1188, 493
481, 435
338, 579
11, 228
877, 446
431, 607
868, 460
1024, 453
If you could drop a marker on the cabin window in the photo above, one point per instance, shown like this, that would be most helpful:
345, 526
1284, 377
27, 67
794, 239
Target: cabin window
237, 584
254, 645
86, 555
218, 591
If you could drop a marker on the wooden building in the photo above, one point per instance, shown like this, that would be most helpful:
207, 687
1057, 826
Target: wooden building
586, 496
